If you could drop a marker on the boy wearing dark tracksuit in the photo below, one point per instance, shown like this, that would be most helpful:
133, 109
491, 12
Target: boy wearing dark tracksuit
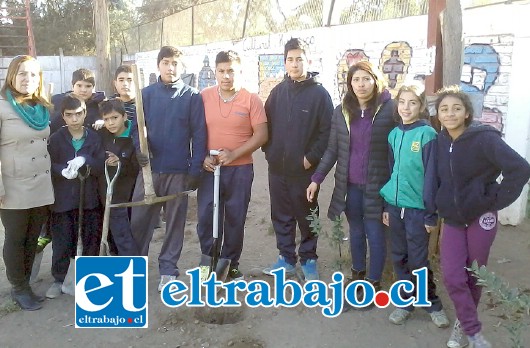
74, 149
119, 148
299, 113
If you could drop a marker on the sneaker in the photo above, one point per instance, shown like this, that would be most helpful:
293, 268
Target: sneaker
204, 272
55, 290
281, 263
235, 274
41, 243
164, 279
457, 339
399, 316
439, 318
479, 341
310, 270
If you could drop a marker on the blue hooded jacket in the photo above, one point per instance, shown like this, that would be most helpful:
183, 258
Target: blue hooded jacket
468, 169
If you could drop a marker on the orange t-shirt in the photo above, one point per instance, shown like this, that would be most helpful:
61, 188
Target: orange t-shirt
229, 125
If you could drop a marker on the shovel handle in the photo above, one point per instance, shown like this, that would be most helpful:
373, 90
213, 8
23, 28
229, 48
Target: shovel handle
149, 190
104, 245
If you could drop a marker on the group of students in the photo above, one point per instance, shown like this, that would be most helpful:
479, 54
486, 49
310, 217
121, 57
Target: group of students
391, 168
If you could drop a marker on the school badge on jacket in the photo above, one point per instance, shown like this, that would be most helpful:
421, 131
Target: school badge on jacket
488, 221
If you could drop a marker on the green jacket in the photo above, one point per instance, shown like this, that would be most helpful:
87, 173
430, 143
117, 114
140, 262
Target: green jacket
412, 159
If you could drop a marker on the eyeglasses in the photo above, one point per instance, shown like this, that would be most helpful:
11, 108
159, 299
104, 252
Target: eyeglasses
72, 114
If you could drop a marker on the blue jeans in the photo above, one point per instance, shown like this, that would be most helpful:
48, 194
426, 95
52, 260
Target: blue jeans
361, 230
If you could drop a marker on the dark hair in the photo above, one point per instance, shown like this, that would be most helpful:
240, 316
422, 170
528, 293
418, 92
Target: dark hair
168, 52
455, 91
71, 102
122, 68
418, 89
295, 44
108, 106
227, 57
39, 96
83, 75
350, 101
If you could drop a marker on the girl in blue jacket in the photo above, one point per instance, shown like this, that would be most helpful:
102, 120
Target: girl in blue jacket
470, 159
410, 211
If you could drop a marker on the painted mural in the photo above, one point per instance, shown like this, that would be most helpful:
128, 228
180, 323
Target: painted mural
395, 63
479, 73
206, 75
350, 57
271, 71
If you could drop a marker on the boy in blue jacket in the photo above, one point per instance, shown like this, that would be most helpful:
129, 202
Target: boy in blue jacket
176, 133
73, 149
119, 148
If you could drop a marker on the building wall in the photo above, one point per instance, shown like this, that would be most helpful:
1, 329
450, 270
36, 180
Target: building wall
495, 52
57, 70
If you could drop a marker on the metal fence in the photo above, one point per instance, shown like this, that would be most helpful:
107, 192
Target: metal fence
224, 20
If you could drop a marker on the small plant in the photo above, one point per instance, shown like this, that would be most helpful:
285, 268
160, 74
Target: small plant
314, 225
514, 303
336, 238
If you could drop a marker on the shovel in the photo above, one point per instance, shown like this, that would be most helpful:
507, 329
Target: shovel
104, 248
220, 266
68, 286
150, 196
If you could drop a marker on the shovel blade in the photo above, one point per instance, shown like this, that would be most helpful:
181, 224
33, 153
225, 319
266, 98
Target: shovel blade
36, 267
222, 269
68, 286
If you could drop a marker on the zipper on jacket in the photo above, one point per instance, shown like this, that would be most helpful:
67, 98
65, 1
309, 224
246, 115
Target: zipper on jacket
397, 176
402, 214
452, 179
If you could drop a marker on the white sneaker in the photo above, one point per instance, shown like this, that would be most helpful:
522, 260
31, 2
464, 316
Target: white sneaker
457, 339
164, 279
439, 318
479, 341
55, 290
399, 316
204, 272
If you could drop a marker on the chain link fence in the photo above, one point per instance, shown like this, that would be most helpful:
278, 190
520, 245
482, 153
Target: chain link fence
224, 20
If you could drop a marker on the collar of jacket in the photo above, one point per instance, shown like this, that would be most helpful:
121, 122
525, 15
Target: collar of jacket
385, 96
178, 85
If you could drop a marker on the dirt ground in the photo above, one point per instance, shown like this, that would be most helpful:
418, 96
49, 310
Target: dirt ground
53, 326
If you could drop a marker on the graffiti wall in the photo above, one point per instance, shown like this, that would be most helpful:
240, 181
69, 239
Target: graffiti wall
485, 76
402, 58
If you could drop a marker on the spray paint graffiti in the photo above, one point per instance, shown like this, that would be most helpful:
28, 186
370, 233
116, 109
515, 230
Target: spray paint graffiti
350, 57
479, 74
271, 72
395, 62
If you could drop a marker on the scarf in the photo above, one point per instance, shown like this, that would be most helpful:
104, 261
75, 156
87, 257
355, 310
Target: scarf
37, 117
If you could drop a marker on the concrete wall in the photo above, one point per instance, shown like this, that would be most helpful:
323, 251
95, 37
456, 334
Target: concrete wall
495, 71
56, 69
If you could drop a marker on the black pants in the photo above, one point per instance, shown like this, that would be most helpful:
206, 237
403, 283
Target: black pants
64, 238
289, 207
22, 228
